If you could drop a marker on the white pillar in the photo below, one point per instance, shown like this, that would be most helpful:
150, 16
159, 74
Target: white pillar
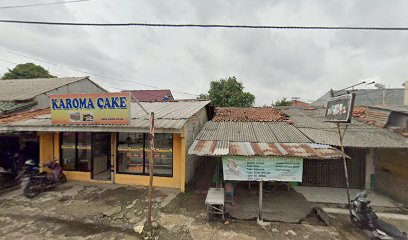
405, 92
370, 168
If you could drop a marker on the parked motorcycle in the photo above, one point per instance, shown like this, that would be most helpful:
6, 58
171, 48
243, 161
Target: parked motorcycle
364, 217
38, 182
10, 171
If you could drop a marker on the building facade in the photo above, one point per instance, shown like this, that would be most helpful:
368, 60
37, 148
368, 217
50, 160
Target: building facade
365, 144
25, 95
120, 153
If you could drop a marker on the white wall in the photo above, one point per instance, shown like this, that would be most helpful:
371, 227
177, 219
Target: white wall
369, 168
405, 93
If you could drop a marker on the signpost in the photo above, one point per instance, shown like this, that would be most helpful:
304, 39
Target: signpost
339, 110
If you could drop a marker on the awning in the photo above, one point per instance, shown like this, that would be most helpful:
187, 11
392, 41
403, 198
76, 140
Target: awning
230, 148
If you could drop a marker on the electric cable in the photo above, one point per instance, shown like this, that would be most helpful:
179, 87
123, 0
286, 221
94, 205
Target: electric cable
188, 25
100, 83
90, 73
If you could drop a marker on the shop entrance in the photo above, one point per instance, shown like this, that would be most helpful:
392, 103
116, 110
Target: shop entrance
101, 152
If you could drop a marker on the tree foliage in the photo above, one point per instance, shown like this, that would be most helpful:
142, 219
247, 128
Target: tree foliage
27, 70
203, 96
282, 102
228, 92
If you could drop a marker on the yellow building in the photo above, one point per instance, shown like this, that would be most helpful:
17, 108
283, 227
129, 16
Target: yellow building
120, 153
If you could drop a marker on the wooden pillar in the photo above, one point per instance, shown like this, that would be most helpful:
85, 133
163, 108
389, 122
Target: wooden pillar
183, 161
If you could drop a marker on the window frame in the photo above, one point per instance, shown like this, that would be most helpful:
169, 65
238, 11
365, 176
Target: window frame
146, 157
76, 153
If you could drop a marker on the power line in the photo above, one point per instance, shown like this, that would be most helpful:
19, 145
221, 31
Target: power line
4, 60
388, 92
168, 25
90, 73
43, 4
100, 83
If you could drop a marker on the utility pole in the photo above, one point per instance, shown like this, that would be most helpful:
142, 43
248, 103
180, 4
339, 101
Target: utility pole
151, 163
151, 166
260, 200
341, 135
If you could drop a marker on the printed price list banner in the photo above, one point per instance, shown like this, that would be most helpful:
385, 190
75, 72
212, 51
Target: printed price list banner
286, 169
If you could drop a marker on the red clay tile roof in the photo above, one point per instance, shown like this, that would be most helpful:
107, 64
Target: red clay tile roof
359, 112
254, 114
23, 116
151, 95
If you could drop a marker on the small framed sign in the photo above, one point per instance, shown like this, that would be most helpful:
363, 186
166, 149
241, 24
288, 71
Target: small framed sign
339, 109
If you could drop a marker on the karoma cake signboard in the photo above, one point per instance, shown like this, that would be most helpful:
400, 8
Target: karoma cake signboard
101, 108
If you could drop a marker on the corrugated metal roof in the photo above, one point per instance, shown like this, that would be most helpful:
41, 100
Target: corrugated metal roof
168, 115
366, 97
310, 122
12, 106
399, 108
223, 148
24, 89
23, 116
270, 132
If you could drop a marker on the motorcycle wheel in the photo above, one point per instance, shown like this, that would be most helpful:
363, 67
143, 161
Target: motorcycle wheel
62, 178
31, 190
356, 222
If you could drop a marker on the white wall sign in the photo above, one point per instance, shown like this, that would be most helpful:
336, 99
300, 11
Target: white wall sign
286, 169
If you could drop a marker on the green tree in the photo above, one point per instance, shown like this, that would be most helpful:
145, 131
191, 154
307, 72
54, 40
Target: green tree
27, 70
203, 96
228, 92
282, 102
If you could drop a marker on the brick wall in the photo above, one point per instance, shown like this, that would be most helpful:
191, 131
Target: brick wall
392, 186
391, 174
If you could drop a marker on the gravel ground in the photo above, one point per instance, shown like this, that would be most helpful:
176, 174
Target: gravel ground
96, 211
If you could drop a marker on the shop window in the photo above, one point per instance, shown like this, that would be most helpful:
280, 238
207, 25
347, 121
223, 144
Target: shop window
131, 153
76, 151
68, 150
134, 154
163, 154
84, 147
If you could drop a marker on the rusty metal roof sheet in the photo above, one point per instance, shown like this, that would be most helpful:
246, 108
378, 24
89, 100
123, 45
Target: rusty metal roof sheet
223, 148
23, 116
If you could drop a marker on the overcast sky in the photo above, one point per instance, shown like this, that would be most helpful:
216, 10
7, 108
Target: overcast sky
270, 63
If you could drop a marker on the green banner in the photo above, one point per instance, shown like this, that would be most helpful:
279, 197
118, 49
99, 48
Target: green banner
285, 169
